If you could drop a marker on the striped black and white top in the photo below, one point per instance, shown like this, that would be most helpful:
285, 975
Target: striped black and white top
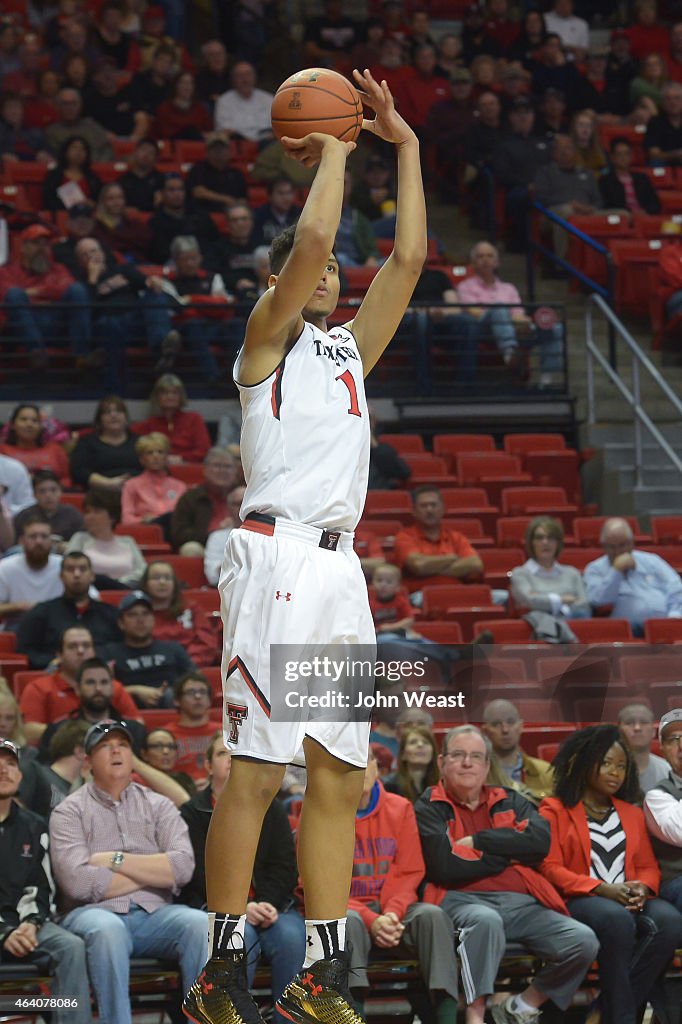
607, 860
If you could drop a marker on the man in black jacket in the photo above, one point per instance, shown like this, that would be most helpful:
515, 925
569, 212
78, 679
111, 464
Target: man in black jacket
624, 189
26, 933
42, 628
481, 847
273, 927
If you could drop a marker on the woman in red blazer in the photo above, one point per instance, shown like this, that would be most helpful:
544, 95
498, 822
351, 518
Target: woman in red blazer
602, 863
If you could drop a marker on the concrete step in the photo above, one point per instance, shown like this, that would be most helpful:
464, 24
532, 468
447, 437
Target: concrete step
667, 499
660, 476
622, 456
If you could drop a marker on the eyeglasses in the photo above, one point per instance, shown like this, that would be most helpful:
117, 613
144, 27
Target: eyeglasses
675, 739
162, 746
542, 536
195, 691
459, 755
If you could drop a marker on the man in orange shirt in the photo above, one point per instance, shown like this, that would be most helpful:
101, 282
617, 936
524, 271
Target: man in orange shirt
195, 725
54, 696
429, 552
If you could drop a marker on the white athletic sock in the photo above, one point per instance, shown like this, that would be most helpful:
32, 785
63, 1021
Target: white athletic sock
225, 934
519, 1005
324, 939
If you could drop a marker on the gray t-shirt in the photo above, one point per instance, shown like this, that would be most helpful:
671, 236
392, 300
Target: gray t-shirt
656, 770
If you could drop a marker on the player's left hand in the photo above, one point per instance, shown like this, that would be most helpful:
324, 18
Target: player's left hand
388, 124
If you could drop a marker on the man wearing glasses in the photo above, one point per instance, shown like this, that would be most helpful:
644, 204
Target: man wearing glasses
481, 845
663, 810
120, 852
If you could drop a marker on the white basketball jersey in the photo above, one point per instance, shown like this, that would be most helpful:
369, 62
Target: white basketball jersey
305, 434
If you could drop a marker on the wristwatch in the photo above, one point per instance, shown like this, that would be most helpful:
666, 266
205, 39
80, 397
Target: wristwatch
117, 860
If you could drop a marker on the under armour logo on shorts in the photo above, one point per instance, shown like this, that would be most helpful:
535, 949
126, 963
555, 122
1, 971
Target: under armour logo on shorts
279, 593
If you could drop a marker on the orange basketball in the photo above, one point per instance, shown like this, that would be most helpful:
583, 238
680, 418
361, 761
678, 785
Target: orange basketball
317, 100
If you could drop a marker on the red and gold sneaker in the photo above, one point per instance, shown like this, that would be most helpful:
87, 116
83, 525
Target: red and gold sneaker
220, 995
320, 993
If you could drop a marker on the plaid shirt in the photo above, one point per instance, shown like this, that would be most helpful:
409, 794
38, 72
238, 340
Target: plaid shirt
90, 821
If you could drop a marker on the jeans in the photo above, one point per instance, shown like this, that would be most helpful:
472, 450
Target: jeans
498, 321
454, 330
115, 329
172, 932
66, 956
635, 949
200, 334
282, 945
35, 325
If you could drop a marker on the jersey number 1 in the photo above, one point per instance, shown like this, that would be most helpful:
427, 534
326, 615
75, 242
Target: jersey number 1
347, 378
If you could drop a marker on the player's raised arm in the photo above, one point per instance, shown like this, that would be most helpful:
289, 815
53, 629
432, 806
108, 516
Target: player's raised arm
276, 319
389, 294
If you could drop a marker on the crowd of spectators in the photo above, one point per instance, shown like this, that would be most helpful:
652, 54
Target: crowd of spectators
163, 249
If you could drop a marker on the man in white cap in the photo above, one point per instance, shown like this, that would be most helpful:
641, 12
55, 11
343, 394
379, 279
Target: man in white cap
663, 810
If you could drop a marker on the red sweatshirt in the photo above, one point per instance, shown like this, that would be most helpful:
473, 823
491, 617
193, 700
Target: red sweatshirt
387, 863
186, 432
192, 629
50, 286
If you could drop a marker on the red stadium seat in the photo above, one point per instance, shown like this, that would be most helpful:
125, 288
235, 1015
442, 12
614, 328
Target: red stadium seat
600, 227
670, 553
666, 529
23, 678
214, 677
382, 503
642, 670
8, 643
535, 501
190, 151
655, 225
662, 178
671, 202
535, 709
449, 446
506, 631
191, 473
440, 632
663, 631
601, 630
492, 470
155, 718
207, 600
73, 498
587, 530
604, 709
631, 258
498, 564
402, 443
548, 751
579, 558
633, 133
149, 537
383, 529
511, 531
426, 469
465, 604
471, 501
471, 528
556, 469
189, 570
358, 280
519, 444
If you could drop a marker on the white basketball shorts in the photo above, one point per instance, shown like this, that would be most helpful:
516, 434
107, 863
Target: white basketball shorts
278, 585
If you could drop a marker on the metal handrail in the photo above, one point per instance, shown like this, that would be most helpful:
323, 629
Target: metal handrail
570, 229
631, 395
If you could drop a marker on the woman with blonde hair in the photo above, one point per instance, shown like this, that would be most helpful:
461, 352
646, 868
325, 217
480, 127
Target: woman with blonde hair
151, 496
11, 720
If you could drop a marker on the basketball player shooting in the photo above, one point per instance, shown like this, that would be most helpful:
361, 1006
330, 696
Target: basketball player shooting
291, 576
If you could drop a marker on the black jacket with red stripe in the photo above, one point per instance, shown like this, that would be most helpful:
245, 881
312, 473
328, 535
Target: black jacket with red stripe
518, 836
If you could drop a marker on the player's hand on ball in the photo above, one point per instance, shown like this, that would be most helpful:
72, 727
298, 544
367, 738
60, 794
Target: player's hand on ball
388, 124
308, 150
